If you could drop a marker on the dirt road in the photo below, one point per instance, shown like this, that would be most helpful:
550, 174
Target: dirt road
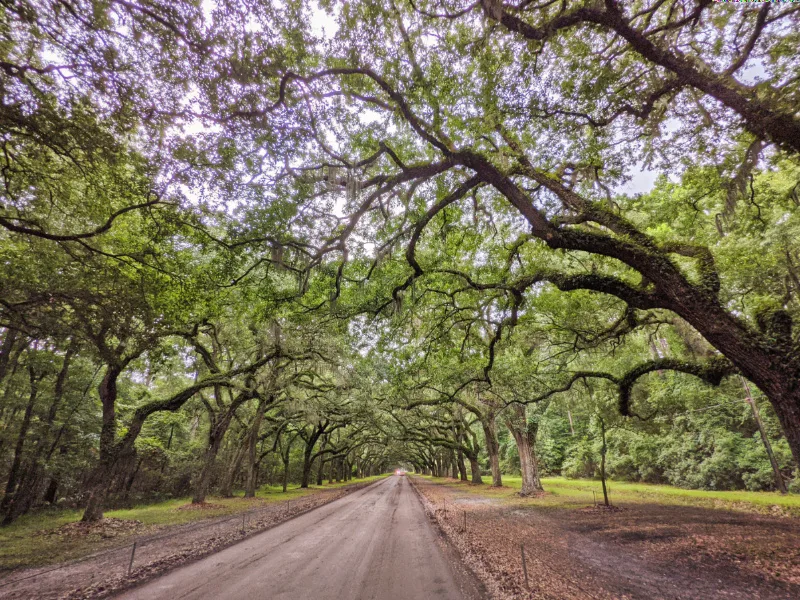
376, 544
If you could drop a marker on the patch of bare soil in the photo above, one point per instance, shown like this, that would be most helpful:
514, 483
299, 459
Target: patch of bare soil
200, 506
105, 573
474, 500
601, 508
104, 529
643, 551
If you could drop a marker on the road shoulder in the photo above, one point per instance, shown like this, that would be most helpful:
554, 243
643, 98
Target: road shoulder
637, 550
471, 584
110, 572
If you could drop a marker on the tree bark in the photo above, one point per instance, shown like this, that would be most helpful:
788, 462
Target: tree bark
462, 468
603, 449
31, 483
305, 478
492, 447
100, 479
475, 467
286, 472
9, 340
216, 432
131, 479
320, 471
524, 434
285, 454
14, 473
52, 488
218, 427
226, 491
252, 442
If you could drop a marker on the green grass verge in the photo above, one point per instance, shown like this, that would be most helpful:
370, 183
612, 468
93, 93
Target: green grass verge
33, 541
571, 492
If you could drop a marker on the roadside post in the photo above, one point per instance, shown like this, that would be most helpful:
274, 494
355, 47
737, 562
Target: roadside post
133, 553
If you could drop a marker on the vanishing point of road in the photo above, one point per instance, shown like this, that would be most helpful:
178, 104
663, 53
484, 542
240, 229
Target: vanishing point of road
373, 544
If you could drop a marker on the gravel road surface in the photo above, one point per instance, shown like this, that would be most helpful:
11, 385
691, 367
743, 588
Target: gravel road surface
374, 544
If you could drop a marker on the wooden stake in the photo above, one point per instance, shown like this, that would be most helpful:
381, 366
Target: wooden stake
465, 521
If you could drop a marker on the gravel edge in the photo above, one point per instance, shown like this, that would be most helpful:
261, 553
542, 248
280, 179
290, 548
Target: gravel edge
478, 569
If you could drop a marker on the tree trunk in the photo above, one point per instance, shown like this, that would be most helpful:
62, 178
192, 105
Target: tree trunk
527, 459
462, 468
226, 491
9, 339
14, 473
305, 479
286, 455
31, 483
603, 449
50, 495
475, 467
252, 442
525, 438
131, 479
100, 479
286, 472
209, 459
320, 471
308, 464
98, 485
493, 448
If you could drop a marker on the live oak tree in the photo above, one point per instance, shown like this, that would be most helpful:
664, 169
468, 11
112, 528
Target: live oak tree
225, 230
439, 143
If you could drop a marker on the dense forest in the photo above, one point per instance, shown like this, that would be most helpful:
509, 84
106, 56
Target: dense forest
254, 242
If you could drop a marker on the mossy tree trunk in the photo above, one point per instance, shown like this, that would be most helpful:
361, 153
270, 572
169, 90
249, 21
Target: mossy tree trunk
524, 434
492, 447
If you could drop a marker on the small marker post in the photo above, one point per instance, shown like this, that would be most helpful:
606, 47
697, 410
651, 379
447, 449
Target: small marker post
465, 521
133, 553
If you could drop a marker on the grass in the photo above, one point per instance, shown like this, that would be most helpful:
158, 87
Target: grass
570, 492
26, 543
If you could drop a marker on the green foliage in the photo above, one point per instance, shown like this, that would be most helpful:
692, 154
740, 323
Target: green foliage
235, 247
